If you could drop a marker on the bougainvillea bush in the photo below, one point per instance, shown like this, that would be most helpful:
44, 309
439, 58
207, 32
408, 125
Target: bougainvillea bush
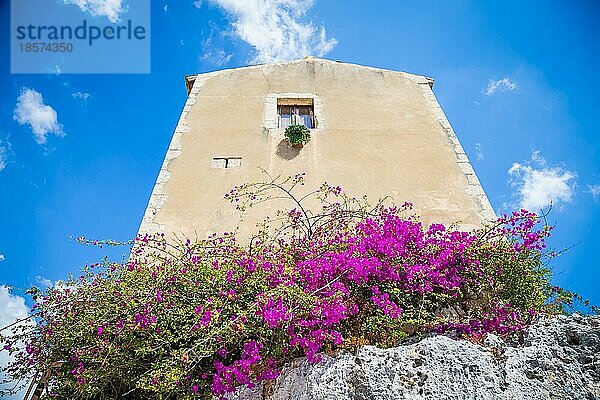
183, 320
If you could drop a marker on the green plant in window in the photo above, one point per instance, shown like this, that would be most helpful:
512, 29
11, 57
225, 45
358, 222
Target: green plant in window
297, 134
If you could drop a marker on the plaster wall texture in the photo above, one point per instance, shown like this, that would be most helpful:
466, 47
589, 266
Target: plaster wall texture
379, 133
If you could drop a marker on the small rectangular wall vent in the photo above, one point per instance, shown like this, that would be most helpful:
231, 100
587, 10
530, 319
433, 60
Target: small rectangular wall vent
226, 162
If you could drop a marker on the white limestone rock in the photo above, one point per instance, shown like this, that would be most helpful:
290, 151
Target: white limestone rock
556, 358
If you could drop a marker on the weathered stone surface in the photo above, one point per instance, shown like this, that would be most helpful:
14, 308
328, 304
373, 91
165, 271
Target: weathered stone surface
556, 358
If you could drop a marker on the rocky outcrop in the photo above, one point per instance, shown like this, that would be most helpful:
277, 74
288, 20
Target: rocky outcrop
557, 358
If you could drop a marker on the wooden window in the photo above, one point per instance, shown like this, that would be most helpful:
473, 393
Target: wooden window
295, 111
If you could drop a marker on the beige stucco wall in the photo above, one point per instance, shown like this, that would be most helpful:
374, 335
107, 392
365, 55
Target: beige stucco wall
380, 133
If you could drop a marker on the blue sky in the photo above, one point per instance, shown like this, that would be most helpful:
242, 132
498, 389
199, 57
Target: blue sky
517, 80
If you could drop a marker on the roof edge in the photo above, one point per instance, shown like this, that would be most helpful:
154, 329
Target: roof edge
190, 79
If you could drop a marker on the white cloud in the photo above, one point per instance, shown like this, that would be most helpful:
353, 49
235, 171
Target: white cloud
166, 8
539, 185
82, 95
3, 160
111, 9
217, 57
30, 109
275, 30
2, 257
479, 156
594, 190
12, 309
43, 281
502, 85
198, 3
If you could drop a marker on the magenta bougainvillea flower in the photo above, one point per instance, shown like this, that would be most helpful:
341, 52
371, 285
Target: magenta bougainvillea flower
183, 319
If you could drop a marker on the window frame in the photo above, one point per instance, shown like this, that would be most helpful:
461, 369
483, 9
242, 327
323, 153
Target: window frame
295, 117
271, 124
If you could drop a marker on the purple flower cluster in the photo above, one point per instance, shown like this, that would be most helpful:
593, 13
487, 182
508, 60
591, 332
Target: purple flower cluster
401, 264
193, 318
226, 378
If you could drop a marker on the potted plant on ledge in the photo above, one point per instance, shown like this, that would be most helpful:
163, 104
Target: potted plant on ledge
298, 135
